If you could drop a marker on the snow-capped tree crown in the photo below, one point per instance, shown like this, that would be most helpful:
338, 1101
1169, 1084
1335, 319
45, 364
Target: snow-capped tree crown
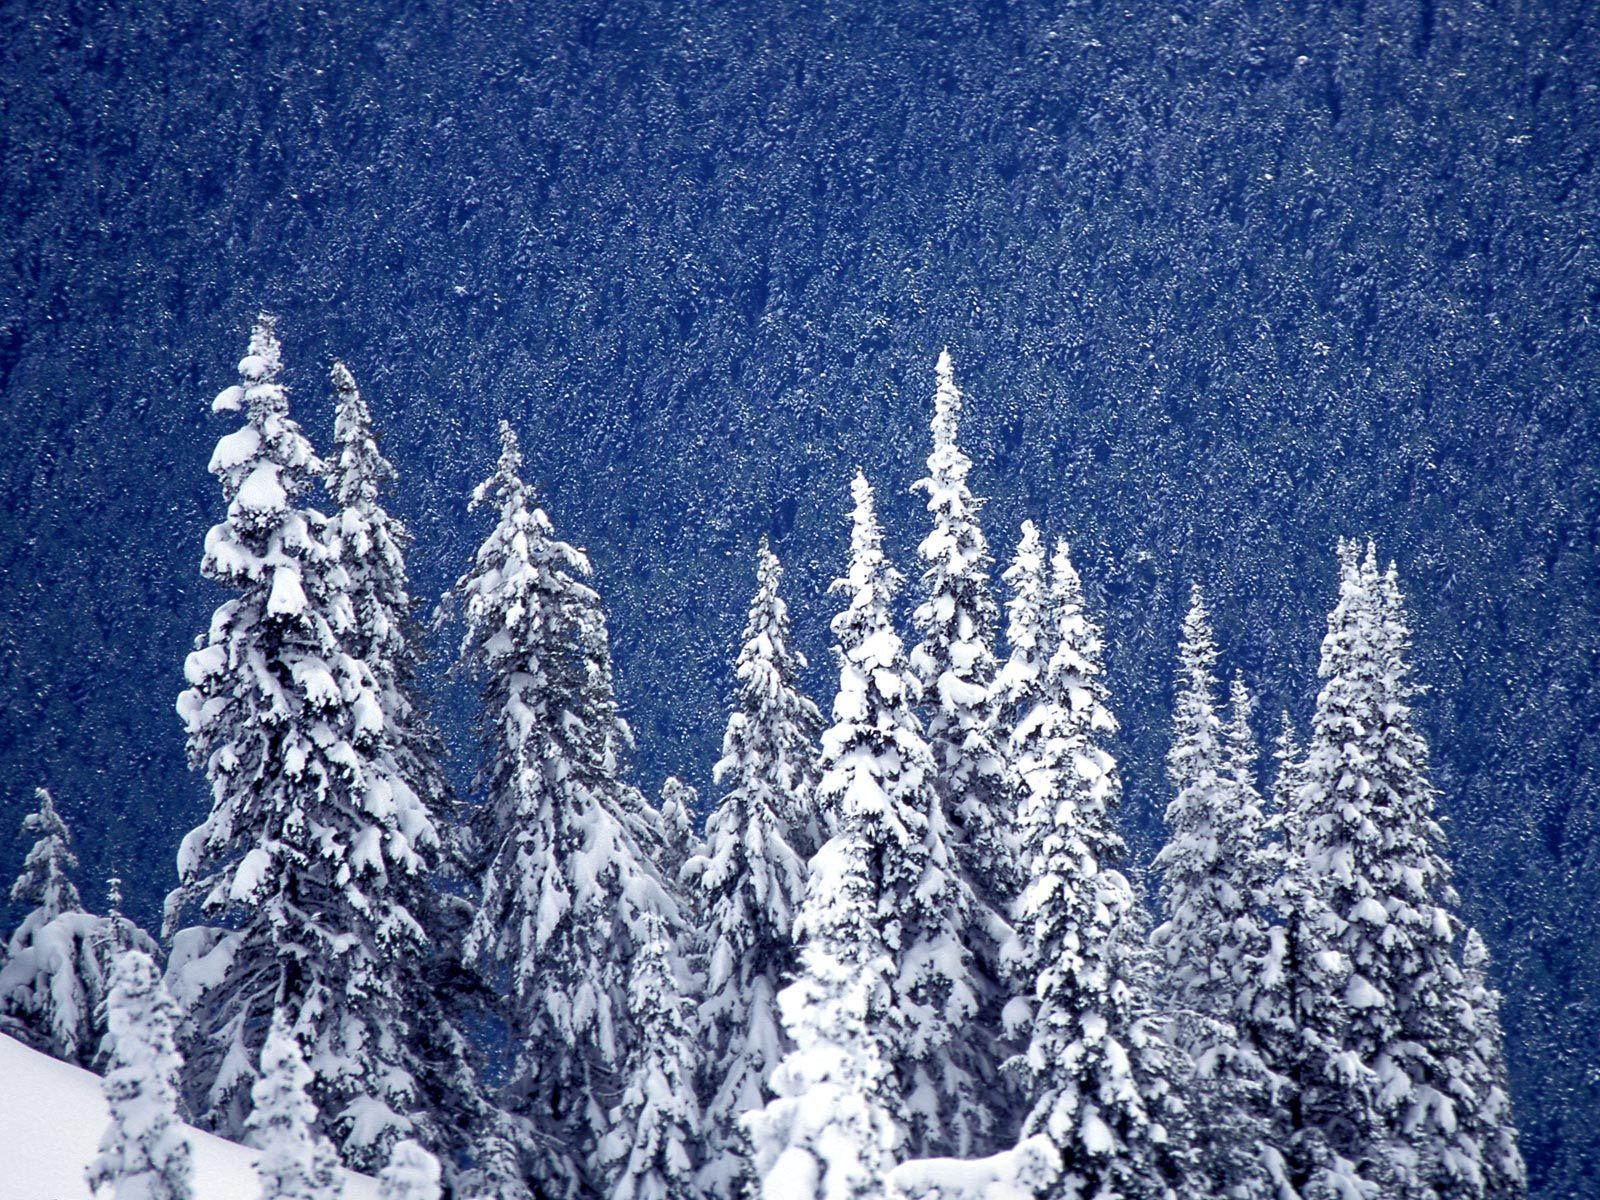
45, 882
145, 1153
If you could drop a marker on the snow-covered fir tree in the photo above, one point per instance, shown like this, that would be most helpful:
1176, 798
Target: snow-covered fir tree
1373, 982
372, 551
145, 1153
1218, 971
57, 966
679, 843
874, 760
651, 1148
1019, 683
832, 1130
315, 839
1102, 1077
751, 879
371, 544
411, 1174
1482, 1097
954, 668
283, 1120
567, 875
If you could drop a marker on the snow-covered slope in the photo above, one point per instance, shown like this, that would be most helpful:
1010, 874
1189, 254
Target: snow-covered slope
51, 1118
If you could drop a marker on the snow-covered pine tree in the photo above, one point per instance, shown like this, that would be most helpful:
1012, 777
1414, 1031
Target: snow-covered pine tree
874, 760
567, 874
372, 551
46, 878
145, 1152
412, 1174
836, 1120
57, 965
679, 844
954, 669
314, 838
1483, 1100
1217, 968
371, 544
1102, 1077
751, 879
650, 1149
1019, 683
1375, 983
283, 1119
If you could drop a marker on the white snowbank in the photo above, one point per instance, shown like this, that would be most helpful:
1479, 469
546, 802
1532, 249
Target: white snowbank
51, 1119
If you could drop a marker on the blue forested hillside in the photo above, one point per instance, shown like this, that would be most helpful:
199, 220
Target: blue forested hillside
1224, 281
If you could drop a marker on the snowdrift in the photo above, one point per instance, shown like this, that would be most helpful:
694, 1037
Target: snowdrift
51, 1118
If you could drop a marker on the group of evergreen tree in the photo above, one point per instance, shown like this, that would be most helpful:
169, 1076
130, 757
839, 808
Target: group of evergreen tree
906, 958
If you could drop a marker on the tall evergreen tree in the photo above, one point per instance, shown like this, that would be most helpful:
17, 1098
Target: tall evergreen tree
751, 879
650, 1150
1370, 892
313, 832
145, 1153
836, 1120
954, 668
1218, 970
372, 551
567, 875
875, 759
1101, 1074
371, 545
57, 966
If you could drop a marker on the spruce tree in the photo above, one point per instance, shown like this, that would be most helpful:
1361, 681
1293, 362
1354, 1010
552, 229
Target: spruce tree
875, 759
751, 880
836, 1120
145, 1153
1215, 947
1375, 985
567, 872
371, 545
650, 1150
954, 668
679, 845
57, 966
315, 840
1102, 1077
282, 1122
372, 551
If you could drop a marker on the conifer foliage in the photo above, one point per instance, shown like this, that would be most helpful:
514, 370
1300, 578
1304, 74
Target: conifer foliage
954, 664
145, 1153
876, 764
751, 880
1103, 1079
566, 881
1215, 947
292, 1163
650, 1150
314, 835
1375, 988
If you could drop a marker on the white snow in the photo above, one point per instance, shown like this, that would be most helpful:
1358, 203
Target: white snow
51, 1118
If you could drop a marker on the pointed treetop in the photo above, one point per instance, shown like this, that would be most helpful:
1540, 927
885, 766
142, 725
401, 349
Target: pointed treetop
870, 580
46, 879
946, 408
505, 487
359, 469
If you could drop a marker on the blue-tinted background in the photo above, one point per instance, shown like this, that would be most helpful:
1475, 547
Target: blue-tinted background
1224, 280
